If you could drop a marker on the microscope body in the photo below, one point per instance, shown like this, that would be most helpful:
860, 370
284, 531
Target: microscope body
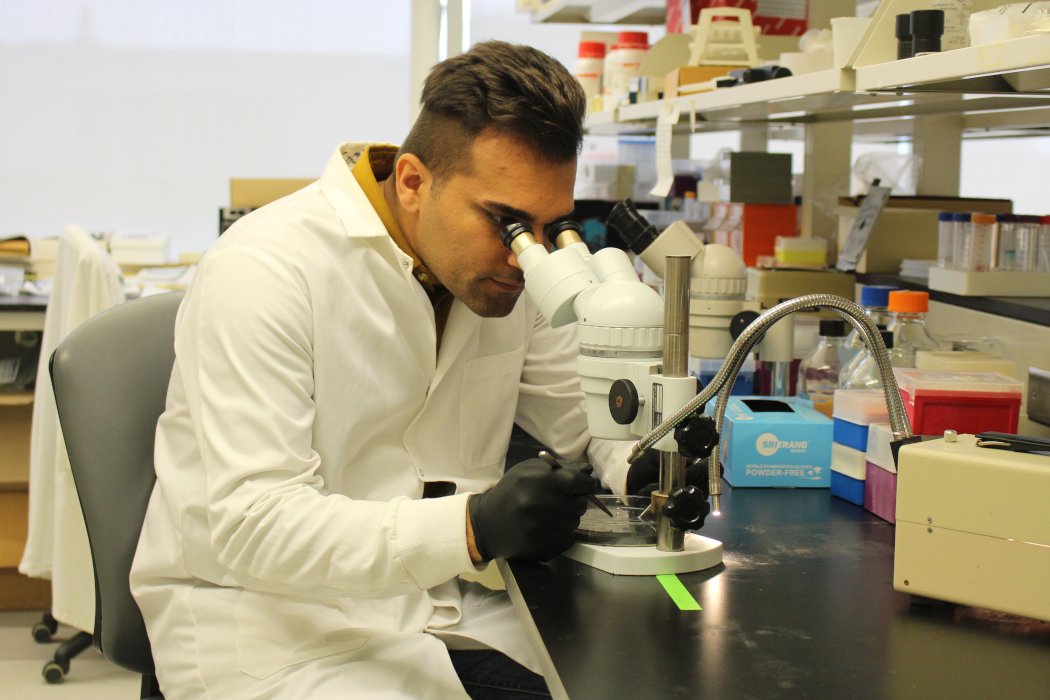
621, 334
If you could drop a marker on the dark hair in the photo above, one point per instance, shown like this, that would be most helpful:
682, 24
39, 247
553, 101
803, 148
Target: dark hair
514, 89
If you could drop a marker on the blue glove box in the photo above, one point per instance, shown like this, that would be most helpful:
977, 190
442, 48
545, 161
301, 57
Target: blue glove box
778, 441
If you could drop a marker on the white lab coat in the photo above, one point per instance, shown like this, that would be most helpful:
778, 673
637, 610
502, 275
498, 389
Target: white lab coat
87, 281
287, 551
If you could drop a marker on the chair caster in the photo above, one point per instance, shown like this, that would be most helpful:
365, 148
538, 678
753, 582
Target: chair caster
44, 631
54, 672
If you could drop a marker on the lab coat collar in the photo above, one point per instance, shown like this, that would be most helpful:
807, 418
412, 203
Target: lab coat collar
339, 186
361, 221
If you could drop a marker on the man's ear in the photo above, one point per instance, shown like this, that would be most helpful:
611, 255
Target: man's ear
414, 182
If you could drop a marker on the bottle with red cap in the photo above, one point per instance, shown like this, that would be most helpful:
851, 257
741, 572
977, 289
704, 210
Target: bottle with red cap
590, 65
908, 324
622, 64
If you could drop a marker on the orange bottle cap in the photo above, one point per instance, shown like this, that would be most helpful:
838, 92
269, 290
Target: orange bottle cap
983, 219
910, 302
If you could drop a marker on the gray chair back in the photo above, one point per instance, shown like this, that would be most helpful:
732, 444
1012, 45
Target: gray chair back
110, 379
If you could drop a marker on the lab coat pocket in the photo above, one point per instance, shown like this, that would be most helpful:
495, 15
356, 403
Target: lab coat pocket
488, 402
275, 631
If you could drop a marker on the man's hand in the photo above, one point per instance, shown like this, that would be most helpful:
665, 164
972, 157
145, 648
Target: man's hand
643, 478
530, 514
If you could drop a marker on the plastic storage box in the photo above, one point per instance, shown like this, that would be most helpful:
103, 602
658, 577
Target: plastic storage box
855, 410
964, 361
801, 251
880, 483
847, 473
966, 402
880, 493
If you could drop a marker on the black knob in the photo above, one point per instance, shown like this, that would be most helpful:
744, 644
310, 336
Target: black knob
741, 321
687, 508
512, 231
696, 436
623, 401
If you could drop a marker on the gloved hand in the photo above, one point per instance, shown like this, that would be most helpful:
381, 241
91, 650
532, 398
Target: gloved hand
531, 513
644, 475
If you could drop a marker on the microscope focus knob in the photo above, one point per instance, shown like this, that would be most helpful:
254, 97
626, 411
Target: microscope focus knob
686, 507
696, 436
741, 321
624, 401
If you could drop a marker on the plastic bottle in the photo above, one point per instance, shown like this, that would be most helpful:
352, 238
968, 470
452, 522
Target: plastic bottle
1042, 263
1007, 256
589, 67
866, 375
1026, 240
960, 238
908, 325
973, 253
927, 27
818, 375
945, 238
622, 64
874, 299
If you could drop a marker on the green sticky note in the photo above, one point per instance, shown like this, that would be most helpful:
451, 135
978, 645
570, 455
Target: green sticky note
682, 598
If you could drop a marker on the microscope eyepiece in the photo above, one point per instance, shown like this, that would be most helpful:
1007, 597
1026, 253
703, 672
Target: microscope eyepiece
512, 231
636, 233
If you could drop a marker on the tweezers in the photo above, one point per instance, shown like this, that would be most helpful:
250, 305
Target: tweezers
555, 464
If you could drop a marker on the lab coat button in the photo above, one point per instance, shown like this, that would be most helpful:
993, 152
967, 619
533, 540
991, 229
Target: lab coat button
406, 264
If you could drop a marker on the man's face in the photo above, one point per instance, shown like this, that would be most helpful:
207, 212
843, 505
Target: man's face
457, 231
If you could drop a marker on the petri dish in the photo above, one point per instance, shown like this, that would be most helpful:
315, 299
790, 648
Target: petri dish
627, 527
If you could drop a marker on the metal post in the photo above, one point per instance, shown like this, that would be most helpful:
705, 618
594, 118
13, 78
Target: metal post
676, 364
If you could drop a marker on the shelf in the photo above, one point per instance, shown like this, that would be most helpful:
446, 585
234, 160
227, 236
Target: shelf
1017, 66
601, 12
1030, 309
16, 398
824, 96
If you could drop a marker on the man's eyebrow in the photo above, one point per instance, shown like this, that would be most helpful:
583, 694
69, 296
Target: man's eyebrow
515, 213
507, 210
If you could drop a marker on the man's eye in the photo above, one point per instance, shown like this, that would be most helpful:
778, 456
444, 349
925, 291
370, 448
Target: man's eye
502, 221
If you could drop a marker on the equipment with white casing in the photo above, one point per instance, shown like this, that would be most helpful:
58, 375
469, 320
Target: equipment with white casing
718, 310
632, 365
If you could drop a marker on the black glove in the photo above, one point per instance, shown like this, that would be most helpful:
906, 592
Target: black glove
531, 513
643, 478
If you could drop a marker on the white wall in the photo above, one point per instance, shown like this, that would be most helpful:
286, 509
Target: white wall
131, 116
1008, 168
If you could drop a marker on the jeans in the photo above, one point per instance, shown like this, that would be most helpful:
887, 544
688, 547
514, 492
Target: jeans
491, 675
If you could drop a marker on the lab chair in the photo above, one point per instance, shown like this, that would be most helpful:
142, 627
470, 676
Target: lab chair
110, 378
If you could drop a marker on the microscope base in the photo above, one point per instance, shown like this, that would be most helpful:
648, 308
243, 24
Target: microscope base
700, 553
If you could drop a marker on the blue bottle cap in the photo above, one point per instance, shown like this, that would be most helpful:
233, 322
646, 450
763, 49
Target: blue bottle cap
876, 295
946, 216
965, 216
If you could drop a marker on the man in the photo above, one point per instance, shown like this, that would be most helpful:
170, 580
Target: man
349, 364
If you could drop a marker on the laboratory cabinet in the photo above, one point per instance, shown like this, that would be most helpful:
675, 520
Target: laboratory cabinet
17, 592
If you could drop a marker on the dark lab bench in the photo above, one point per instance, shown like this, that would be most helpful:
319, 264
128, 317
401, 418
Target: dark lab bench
802, 607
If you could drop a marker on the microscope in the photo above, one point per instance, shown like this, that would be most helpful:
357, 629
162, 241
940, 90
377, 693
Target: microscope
633, 362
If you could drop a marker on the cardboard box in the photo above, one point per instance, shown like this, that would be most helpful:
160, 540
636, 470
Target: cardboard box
258, 192
690, 75
776, 442
752, 229
907, 228
14, 526
770, 287
760, 178
16, 419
